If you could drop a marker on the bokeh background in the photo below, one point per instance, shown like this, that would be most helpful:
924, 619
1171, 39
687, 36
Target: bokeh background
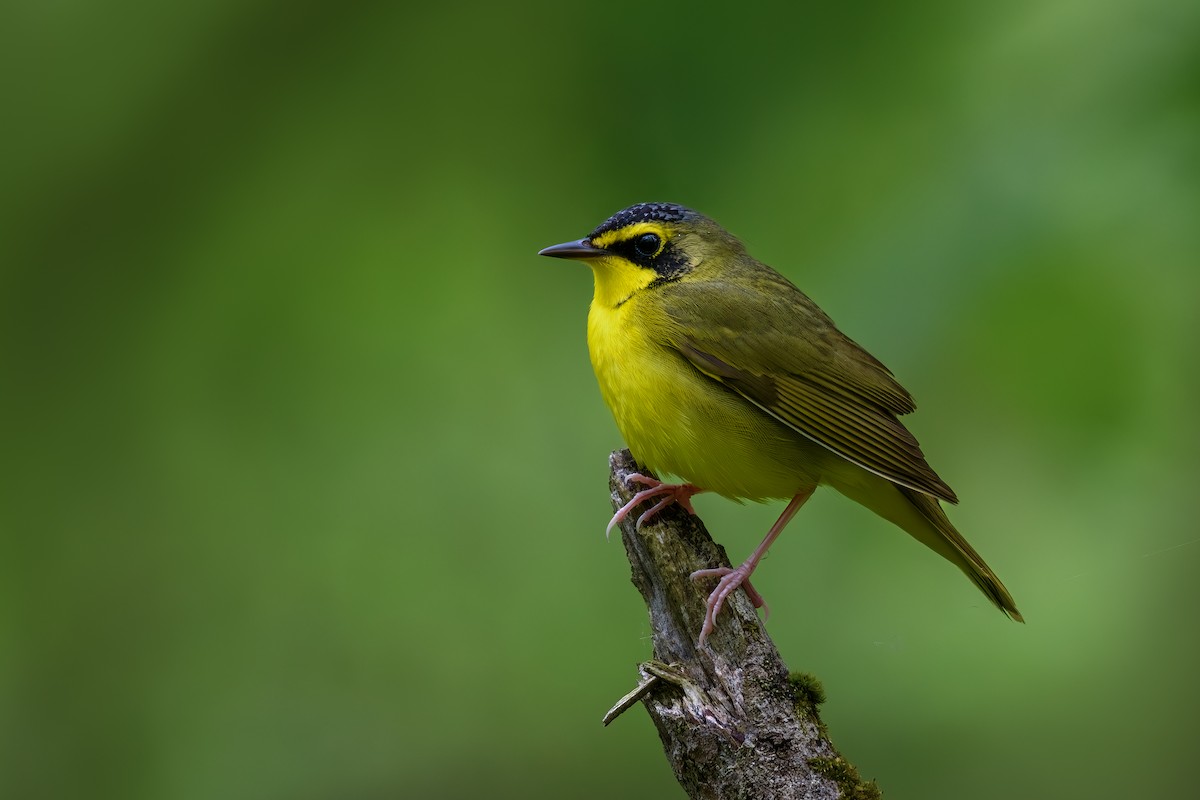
304, 467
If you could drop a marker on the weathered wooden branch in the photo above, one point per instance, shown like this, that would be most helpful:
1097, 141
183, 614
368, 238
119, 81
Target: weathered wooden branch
733, 723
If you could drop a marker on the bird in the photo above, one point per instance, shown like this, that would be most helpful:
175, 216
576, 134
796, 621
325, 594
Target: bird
719, 371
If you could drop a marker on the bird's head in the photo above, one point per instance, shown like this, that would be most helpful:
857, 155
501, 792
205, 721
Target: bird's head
646, 246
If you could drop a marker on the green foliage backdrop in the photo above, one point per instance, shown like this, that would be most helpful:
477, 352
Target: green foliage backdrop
304, 466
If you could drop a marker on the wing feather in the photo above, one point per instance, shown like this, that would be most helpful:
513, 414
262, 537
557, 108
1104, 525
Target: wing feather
778, 350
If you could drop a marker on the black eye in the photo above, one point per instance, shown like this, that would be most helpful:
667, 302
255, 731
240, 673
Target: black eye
647, 245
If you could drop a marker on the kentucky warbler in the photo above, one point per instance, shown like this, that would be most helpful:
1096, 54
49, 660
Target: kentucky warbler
719, 370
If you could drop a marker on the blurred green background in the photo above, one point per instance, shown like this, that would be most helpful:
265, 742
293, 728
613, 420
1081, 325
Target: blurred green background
304, 466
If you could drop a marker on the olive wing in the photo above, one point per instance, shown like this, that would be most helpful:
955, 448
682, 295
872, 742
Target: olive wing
767, 341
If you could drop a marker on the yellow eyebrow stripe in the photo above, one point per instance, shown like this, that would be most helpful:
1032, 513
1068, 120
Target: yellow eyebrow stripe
609, 238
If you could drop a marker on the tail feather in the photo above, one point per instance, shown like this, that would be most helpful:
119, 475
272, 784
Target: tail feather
922, 517
960, 552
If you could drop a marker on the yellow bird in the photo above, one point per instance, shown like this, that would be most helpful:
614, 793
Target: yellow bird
720, 371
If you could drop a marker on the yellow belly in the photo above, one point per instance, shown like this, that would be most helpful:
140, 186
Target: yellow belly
677, 421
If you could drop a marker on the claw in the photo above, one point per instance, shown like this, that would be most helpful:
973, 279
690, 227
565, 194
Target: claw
731, 579
669, 492
654, 509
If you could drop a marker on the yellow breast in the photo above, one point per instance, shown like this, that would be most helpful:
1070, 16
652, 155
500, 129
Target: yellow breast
677, 421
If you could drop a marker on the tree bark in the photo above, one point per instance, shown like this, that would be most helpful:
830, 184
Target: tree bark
732, 721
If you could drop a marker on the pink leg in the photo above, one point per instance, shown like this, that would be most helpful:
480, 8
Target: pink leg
733, 578
669, 492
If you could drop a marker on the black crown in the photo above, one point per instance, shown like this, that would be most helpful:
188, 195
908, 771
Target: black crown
643, 212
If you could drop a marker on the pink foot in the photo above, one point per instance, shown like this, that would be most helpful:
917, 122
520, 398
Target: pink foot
680, 493
731, 579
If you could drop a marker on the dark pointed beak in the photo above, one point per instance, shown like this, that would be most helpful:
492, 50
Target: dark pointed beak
579, 249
